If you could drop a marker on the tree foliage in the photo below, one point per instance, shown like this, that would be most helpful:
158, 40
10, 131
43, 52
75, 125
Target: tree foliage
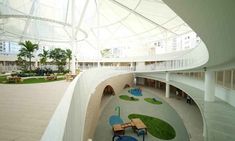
44, 56
59, 57
26, 51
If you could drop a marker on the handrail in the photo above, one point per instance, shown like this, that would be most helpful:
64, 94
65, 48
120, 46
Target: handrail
197, 57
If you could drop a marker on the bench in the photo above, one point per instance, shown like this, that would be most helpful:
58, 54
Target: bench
14, 79
118, 129
51, 77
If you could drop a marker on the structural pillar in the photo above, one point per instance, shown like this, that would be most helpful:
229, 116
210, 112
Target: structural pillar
73, 40
209, 86
73, 61
167, 85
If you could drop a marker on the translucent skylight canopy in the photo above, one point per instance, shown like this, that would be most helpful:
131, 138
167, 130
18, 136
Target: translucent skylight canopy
93, 24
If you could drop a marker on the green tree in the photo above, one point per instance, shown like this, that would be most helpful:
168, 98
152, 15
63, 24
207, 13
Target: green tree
28, 50
69, 56
59, 58
22, 63
44, 57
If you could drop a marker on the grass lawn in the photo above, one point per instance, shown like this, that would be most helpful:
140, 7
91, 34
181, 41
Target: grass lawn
29, 80
128, 98
38, 80
156, 127
152, 101
3, 79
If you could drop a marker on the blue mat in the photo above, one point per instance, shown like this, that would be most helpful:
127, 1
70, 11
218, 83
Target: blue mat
135, 91
114, 119
126, 138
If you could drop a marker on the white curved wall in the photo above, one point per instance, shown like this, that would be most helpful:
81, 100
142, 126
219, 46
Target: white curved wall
71, 120
94, 107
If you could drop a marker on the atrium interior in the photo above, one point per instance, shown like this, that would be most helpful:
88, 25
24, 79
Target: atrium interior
102, 70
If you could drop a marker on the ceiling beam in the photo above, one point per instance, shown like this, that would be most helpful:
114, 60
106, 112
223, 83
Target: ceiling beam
142, 16
82, 16
28, 20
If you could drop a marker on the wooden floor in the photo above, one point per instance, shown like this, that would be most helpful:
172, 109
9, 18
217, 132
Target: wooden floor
25, 109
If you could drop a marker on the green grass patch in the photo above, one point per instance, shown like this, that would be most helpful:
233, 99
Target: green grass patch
153, 101
3, 80
156, 127
38, 80
128, 98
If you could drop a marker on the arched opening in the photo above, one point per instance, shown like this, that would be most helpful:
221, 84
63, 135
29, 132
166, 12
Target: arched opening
126, 86
107, 93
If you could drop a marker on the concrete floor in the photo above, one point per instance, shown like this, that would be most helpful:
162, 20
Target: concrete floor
25, 109
190, 114
163, 111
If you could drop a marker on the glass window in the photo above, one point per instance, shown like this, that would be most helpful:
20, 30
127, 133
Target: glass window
219, 77
227, 79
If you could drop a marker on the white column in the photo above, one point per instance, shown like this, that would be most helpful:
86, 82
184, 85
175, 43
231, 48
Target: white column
209, 86
73, 61
167, 85
73, 40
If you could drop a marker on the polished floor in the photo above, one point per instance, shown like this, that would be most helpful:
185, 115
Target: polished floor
164, 111
25, 109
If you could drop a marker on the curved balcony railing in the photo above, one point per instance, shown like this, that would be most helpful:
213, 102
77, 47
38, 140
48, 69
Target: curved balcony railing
195, 58
189, 59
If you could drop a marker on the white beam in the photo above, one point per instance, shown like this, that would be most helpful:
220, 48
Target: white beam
28, 20
82, 16
142, 16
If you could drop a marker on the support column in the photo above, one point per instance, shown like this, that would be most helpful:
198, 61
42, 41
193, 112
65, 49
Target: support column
73, 61
209, 86
167, 85
73, 40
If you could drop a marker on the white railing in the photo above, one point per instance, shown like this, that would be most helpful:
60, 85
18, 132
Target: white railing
197, 57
